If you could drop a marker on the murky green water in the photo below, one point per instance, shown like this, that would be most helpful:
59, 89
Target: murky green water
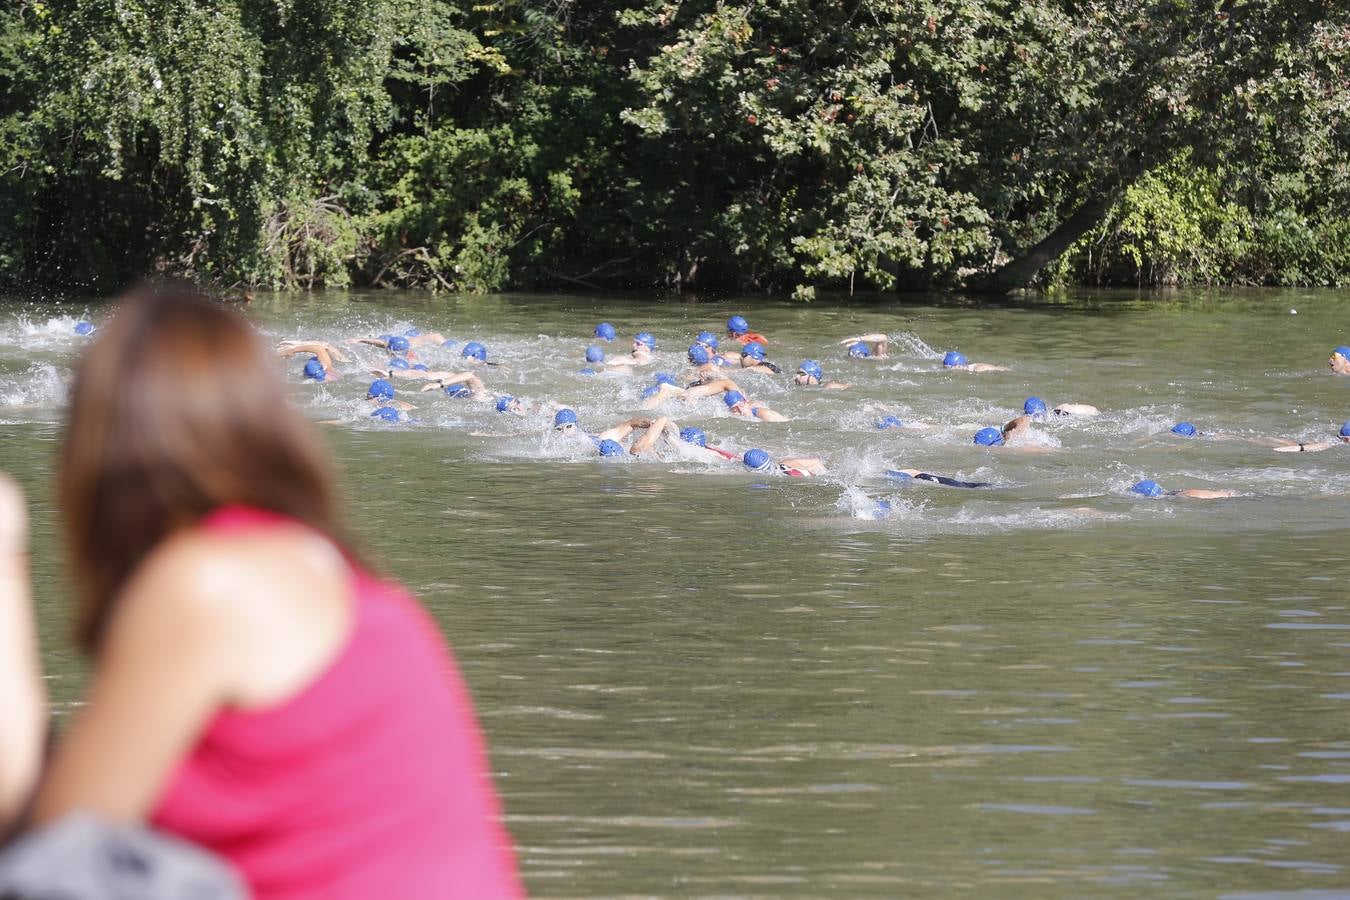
698, 681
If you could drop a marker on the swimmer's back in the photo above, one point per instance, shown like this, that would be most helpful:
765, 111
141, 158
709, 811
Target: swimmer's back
369, 781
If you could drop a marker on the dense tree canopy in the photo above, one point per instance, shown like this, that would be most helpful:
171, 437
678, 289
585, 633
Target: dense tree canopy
770, 144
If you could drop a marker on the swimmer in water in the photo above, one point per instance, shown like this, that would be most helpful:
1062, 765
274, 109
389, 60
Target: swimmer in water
693, 443
1076, 409
810, 374
708, 363
465, 385
868, 346
1151, 489
1340, 360
1016, 434
752, 360
381, 393
325, 354
793, 466
891, 422
958, 361
735, 400
413, 338
653, 431
739, 330
918, 475
1317, 446
511, 405
644, 345
662, 390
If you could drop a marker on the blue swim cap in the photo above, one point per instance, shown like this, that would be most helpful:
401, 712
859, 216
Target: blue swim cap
1148, 488
399, 362
698, 354
650, 391
889, 422
504, 402
989, 437
449, 342
1185, 429
756, 460
737, 325
564, 417
731, 398
605, 332
412, 333
1345, 430
1342, 351
399, 344
1034, 406
859, 351
883, 508
419, 367
84, 328
381, 390
953, 359
812, 368
692, 435
898, 475
315, 370
611, 448
754, 351
474, 350
594, 354
386, 414
707, 339
646, 337
458, 390
665, 378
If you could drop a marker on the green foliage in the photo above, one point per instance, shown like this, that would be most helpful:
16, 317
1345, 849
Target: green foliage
770, 144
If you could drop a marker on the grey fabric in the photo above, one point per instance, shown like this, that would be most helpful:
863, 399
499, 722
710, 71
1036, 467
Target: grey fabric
82, 858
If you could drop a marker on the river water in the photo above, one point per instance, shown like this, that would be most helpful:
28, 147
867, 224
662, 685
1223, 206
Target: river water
700, 681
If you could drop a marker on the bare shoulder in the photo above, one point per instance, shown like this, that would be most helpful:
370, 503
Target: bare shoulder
221, 578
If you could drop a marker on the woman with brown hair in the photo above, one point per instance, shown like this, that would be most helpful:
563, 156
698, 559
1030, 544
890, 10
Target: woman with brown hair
255, 690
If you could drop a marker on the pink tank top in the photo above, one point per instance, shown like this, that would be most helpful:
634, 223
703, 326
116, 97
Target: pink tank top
371, 782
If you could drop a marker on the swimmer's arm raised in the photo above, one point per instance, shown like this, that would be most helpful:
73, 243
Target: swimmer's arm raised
720, 386
649, 438
326, 353
623, 429
876, 338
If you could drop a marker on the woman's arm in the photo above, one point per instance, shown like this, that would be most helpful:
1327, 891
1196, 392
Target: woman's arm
23, 698
161, 674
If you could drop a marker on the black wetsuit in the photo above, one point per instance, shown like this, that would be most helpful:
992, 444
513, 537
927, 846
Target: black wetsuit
950, 482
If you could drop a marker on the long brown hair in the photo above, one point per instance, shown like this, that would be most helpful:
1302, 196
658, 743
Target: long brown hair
177, 410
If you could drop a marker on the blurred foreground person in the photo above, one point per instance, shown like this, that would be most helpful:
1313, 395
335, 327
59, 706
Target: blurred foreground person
255, 690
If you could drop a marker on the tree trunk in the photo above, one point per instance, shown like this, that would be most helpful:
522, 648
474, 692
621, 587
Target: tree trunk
1020, 272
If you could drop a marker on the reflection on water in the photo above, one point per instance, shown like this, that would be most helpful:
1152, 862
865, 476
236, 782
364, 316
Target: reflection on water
705, 683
